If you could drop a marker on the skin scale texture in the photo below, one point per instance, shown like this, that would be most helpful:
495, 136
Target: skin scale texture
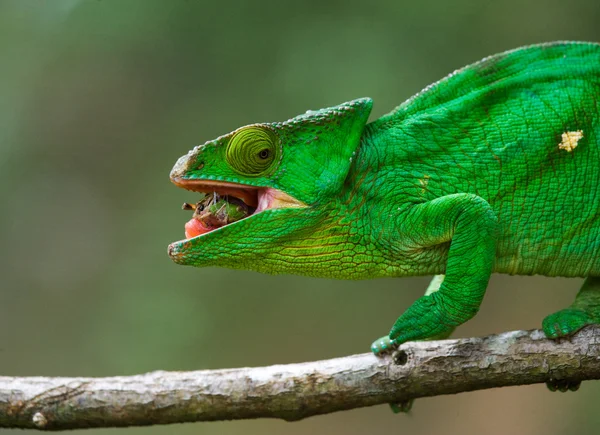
495, 168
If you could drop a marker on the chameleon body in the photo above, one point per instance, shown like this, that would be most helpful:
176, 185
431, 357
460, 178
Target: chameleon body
495, 168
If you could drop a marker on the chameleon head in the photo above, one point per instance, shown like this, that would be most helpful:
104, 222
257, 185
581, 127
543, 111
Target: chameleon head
288, 173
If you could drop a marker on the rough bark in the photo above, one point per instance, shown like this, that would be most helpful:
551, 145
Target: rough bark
296, 391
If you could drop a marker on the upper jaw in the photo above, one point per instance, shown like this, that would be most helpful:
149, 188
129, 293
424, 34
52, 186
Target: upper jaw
261, 198
248, 194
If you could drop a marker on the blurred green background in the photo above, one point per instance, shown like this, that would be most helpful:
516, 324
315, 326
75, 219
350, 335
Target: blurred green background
98, 98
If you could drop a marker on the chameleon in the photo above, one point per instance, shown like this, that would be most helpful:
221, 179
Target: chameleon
493, 169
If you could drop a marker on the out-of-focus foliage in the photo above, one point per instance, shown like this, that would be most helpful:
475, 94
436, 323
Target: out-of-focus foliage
97, 100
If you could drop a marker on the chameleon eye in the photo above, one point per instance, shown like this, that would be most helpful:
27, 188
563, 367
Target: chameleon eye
252, 150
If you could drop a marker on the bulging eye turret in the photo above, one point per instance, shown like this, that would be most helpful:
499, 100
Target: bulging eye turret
253, 150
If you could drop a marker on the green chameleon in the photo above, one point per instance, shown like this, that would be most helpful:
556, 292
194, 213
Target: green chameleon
495, 168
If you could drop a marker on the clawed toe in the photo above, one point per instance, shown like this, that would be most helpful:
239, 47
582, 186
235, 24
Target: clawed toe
565, 322
563, 385
383, 345
402, 407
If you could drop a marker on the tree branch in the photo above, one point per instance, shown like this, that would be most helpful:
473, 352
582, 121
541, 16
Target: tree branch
296, 391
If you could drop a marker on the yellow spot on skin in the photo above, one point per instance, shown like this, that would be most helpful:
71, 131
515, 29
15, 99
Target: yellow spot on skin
424, 182
570, 140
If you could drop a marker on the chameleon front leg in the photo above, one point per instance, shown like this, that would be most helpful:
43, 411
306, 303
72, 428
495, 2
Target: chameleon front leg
470, 224
384, 343
434, 285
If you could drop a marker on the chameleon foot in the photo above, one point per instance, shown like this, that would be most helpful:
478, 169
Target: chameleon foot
402, 407
383, 345
562, 385
425, 319
566, 322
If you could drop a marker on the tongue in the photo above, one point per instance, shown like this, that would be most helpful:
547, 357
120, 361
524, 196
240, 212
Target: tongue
196, 227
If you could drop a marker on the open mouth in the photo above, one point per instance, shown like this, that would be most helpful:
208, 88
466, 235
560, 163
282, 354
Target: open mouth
222, 203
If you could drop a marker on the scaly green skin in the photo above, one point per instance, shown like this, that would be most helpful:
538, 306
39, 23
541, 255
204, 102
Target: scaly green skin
464, 179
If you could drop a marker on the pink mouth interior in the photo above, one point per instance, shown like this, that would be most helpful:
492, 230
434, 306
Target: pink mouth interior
260, 198
195, 227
